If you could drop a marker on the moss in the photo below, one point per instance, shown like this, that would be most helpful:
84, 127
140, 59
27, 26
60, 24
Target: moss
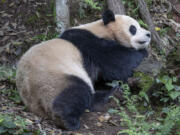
32, 19
146, 81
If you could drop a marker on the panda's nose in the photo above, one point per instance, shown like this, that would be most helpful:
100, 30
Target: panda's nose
148, 35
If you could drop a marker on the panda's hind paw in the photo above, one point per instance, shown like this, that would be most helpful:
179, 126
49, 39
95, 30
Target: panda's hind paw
72, 123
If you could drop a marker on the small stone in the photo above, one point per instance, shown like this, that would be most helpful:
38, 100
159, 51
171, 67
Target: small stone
1, 33
104, 118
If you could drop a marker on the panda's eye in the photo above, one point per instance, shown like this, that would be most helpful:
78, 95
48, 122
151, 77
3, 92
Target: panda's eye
132, 29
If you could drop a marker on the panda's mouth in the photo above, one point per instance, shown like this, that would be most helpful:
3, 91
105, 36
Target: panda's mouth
142, 42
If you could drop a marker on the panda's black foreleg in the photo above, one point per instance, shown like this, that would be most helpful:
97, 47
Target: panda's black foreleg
102, 97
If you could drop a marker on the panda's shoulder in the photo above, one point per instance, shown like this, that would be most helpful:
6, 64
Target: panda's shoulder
81, 38
78, 33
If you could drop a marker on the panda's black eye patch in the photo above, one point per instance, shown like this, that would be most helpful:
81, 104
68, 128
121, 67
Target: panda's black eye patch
132, 29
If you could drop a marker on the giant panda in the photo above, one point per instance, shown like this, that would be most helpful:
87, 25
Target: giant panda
55, 78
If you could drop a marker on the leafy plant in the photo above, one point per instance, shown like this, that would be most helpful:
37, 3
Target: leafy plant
134, 121
131, 8
7, 74
171, 121
164, 31
3, 1
149, 2
145, 83
143, 24
169, 89
12, 94
82, 7
10, 125
92, 4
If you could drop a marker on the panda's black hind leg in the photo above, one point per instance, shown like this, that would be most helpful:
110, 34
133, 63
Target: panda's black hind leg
71, 103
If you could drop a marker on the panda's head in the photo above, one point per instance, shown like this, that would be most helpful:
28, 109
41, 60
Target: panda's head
126, 30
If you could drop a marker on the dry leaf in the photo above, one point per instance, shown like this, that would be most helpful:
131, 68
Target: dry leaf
104, 118
4, 108
86, 126
99, 124
78, 134
6, 15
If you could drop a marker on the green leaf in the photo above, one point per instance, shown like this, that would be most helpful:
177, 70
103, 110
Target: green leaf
174, 79
144, 95
164, 79
113, 83
11, 131
169, 85
29, 134
165, 110
1, 120
2, 130
9, 124
177, 34
176, 87
158, 80
164, 99
112, 111
141, 21
174, 94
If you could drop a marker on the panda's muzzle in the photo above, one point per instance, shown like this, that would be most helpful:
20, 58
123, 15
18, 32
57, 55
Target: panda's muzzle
142, 42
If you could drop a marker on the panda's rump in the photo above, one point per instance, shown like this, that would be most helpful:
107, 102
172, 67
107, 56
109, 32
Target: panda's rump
43, 73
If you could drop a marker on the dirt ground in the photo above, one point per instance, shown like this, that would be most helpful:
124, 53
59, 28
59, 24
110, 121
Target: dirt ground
92, 123
24, 23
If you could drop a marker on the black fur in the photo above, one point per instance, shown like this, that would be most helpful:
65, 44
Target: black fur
105, 58
108, 16
70, 104
102, 96
133, 29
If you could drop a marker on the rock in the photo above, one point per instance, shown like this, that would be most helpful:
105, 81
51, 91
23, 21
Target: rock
150, 66
1, 33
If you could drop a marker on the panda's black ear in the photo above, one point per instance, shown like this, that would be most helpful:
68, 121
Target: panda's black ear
108, 16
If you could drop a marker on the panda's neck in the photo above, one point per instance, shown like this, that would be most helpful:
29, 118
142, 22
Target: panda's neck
99, 29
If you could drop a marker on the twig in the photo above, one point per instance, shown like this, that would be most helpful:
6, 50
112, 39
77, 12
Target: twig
176, 10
